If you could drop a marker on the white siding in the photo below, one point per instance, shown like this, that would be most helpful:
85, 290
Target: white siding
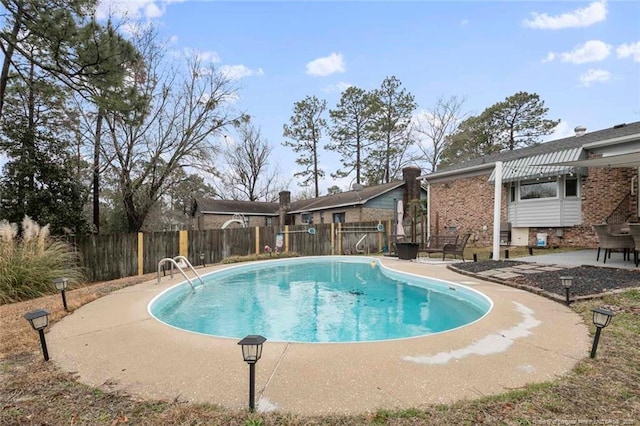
541, 213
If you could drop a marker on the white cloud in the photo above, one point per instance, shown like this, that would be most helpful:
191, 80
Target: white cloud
464, 22
133, 9
594, 75
550, 57
326, 65
562, 130
629, 50
237, 72
592, 14
337, 88
591, 51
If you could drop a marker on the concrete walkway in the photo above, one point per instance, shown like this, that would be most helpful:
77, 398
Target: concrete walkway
114, 343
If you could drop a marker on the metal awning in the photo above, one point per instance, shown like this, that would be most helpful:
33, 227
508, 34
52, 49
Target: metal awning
542, 165
611, 161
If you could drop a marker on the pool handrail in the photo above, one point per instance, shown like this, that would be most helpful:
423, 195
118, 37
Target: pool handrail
186, 261
173, 263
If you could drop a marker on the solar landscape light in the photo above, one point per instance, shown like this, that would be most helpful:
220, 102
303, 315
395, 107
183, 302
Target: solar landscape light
251, 353
39, 319
601, 319
567, 282
61, 286
202, 259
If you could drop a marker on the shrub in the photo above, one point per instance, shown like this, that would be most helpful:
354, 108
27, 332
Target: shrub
31, 261
265, 256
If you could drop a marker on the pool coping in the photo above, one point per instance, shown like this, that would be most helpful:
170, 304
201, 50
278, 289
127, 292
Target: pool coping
114, 343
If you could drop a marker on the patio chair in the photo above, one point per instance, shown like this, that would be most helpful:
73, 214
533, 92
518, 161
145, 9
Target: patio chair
457, 248
634, 230
612, 242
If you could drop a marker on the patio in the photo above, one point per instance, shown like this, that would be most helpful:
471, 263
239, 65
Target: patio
115, 344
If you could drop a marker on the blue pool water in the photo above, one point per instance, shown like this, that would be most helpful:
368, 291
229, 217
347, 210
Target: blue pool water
319, 299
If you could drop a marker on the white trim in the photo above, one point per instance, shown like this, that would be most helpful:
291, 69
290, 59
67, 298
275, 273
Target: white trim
613, 141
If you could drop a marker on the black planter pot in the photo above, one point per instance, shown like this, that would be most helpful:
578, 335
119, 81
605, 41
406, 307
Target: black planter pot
407, 251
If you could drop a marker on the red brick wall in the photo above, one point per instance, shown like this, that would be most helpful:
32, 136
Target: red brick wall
468, 204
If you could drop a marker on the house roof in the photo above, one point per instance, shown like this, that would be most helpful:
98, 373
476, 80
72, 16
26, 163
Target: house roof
343, 199
213, 206
591, 139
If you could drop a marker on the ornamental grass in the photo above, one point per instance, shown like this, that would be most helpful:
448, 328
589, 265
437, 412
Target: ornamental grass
30, 260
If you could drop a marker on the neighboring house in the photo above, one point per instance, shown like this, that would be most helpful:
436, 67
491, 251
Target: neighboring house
558, 188
366, 204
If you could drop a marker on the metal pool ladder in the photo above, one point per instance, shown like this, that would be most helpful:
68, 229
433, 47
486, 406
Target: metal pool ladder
177, 262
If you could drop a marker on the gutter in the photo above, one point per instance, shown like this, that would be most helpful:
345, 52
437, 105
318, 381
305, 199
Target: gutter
456, 171
614, 141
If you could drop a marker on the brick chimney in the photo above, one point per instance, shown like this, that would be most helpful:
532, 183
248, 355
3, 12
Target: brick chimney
285, 206
411, 185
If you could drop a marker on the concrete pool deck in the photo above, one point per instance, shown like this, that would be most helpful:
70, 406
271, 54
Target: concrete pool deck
113, 343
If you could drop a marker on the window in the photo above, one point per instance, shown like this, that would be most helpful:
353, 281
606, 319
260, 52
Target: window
512, 192
571, 187
321, 217
307, 217
535, 190
268, 221
338, 218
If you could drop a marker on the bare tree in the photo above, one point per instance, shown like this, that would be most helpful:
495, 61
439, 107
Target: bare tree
248, 175
175, 128
435, 125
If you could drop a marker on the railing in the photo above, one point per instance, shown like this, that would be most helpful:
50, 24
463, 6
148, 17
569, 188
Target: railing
360, 241
174, 263
621, 213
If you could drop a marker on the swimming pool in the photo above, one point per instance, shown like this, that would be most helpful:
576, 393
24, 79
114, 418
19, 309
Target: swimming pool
319, 299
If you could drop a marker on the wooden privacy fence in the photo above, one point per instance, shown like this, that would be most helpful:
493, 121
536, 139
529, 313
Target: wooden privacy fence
108, 257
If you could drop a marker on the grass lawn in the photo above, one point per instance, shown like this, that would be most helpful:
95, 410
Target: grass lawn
605, 390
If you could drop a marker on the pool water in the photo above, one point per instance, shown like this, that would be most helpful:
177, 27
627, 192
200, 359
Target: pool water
320, 299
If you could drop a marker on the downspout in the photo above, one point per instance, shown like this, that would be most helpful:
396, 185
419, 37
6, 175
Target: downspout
428, 210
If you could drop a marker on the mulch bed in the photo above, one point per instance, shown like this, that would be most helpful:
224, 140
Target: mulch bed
587, 280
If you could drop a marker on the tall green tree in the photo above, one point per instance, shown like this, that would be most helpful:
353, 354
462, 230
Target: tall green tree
520, 120
393, 110
475, 137
58, 28
106, 88
39, 180
351, 131
304, 131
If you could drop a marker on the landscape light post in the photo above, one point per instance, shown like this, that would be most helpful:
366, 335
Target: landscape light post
251, 353
61, 286
566, 283
601, 319
39, 319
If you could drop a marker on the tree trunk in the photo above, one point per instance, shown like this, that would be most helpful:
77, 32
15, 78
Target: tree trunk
96, 171
4, 77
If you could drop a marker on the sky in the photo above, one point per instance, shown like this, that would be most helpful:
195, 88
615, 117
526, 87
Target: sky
581, 57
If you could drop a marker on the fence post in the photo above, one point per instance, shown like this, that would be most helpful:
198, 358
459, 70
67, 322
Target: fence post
286, 238
379, 241
339, 238
333, 238
257, 240
140, 253
184, 243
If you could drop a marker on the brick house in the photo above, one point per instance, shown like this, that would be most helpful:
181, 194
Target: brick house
558, 188
376, 202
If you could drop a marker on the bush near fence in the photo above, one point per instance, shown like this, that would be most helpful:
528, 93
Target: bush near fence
108, 257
